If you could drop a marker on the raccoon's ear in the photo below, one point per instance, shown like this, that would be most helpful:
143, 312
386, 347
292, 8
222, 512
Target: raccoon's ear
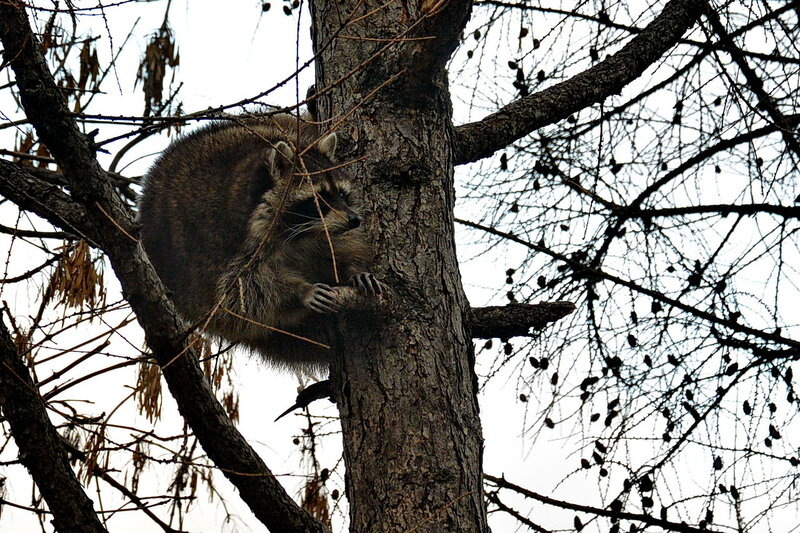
327, 145
281, 158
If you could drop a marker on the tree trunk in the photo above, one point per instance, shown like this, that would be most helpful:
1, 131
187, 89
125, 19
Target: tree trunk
405, 386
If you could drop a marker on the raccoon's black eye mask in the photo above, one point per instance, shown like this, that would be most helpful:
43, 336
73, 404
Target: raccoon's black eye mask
303, 212
307, 210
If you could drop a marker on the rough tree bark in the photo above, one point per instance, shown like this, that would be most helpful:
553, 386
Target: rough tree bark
405, 389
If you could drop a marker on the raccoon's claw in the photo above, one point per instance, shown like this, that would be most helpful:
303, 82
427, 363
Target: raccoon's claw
368, 283
322, 299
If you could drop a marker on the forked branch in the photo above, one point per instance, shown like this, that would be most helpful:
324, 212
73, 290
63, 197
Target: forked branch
481, 139
613, 512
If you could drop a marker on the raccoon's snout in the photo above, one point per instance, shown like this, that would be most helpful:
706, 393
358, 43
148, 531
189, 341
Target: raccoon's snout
353, 220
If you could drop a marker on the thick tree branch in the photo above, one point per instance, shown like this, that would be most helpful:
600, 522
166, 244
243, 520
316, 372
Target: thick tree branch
444, 21
112, 228
597, 511
46, 200
481, 139
39, 444
123, 183
516, 320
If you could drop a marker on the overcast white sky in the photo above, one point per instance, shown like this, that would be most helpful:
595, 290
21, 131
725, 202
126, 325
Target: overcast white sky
227, 54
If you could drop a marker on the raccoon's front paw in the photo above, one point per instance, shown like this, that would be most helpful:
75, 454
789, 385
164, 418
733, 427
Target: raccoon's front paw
322, 299
367, 283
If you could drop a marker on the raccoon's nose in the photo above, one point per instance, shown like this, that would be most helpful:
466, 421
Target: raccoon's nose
354, 220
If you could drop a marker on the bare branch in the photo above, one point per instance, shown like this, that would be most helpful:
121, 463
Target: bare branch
495, 499
593, 272
611, 513
754, 83
105, 476
32, 272
39, 444
785, 211
634, 207
34, 234
481, 139
607, 22
516, 320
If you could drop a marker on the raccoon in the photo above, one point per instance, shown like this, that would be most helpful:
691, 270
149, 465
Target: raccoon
248, 223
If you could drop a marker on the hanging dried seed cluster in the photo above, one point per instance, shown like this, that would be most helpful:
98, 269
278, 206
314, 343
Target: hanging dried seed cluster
218, 369
148, 390
315, 499
161, 53
75, 280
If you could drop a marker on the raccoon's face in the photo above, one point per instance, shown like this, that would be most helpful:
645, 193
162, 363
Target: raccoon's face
324, 210
317, 201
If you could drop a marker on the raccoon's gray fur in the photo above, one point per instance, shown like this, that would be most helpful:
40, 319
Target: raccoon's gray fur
230, 218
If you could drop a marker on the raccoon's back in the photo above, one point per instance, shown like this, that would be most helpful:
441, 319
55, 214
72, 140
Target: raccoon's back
195, 206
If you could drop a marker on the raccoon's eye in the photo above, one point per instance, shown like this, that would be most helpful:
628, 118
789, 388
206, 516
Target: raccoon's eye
304, 211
